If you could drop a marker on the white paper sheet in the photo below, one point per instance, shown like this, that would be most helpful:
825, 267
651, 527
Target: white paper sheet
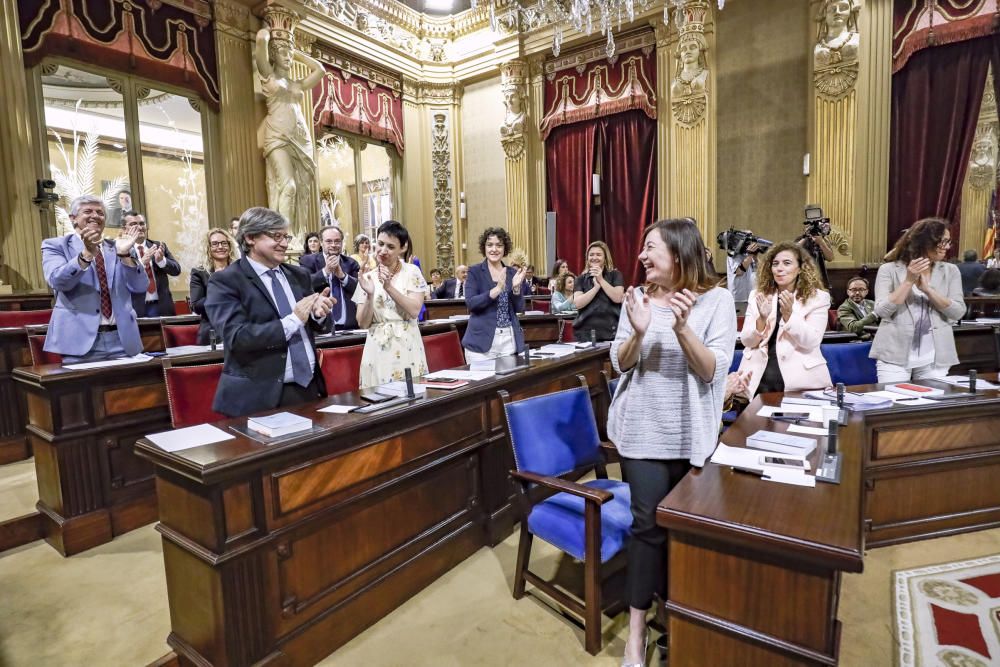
125, 361
186, 438
338, 409
900, 398
460, 375
808, 430
740, 457
789, 476
458, 317
190, 349
484, 365
963, 381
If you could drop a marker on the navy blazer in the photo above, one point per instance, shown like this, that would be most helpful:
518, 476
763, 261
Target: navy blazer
350, 267
196, 297
247, 321
483, 309
314, 261
166, 299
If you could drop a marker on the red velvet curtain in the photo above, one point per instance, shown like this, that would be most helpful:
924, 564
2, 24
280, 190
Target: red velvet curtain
628, 187
935, 108
569, 163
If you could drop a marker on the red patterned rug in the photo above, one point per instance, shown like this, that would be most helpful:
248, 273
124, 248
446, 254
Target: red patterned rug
949, 614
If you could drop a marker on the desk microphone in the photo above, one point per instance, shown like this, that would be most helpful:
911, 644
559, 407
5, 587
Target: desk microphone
527, 355
840, 395
593, 336
409, 383
831, 437
829, 465
212, 340
972, 381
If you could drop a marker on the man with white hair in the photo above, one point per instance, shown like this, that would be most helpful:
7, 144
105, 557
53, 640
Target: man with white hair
93, 280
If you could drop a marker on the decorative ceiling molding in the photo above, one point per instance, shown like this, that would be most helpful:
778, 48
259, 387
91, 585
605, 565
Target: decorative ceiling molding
327, 54
642, 39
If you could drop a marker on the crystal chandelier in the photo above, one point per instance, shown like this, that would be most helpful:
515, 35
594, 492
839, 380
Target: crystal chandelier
583, 15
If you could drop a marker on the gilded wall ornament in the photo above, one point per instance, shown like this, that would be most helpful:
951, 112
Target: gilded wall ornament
689, 87
983, 160
441, 171
839, 241
512, 76
835, 57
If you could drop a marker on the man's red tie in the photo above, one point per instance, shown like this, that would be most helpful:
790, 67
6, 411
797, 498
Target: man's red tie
151, 287
102, 277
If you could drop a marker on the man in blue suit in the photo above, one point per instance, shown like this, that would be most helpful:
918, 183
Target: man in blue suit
340, 273
267, 313
93, 280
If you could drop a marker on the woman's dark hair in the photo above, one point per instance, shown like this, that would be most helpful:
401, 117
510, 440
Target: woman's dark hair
398, 232
919, 240
501, 235
684, 243
311, 235
555, 267
990, 280
561, 283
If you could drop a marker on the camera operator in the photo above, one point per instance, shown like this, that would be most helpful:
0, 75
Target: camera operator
741, 272
813, 240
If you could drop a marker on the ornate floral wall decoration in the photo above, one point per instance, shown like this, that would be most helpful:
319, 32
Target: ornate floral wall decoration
441, 173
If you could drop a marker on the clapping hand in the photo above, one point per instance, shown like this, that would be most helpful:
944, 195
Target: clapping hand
596, 271
333, 266
785, 302
127, 239
737, 383
518, 278
916, 268
638, 310
763, 305
158, 253
681, 303
304, 306
502, 281
323, 304
384, 275
366, 282
91, 240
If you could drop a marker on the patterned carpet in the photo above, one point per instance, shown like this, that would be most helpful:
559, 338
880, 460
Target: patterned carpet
949, 614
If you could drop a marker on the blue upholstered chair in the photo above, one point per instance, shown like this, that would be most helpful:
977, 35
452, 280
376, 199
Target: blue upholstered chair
555, 441
849, 363
730, 416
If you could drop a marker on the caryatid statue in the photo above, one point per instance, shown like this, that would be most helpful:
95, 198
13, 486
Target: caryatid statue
284, 136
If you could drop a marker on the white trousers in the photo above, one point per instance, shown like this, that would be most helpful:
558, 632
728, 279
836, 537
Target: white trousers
888, 373
503, 345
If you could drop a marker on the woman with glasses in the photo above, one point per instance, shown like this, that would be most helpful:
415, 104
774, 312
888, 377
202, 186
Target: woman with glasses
918, 295
220, 252
389, 303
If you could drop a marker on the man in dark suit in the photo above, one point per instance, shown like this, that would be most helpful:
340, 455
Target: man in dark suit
158, 263
971, 269
340, 273
453, 288
267, 313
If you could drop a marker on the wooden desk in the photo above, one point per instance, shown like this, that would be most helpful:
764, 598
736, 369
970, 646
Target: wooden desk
440, 309
83, 426
13, 353
28, 300
982, 306
756, 566
285, 552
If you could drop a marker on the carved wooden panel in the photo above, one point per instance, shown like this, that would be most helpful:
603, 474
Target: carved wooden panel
923, 439
133, 399
327, 563
39, 411
189, 513
695, 645
776, 597
306, 484
966, 489
238, 505
245, 609
127, 474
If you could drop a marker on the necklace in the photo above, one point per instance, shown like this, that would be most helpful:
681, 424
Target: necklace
692, 77
843, 39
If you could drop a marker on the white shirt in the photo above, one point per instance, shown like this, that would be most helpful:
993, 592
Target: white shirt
740, 285
291, 322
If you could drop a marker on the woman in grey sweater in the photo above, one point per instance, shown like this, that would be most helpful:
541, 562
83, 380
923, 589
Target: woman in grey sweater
918, 295
674, 343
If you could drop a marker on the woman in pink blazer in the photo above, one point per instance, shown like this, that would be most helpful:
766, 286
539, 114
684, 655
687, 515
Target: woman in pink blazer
785, 320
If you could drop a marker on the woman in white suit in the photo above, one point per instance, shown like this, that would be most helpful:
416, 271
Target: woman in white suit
783, 329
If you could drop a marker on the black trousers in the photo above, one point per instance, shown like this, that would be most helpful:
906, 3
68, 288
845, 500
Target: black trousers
650, 480
294, 394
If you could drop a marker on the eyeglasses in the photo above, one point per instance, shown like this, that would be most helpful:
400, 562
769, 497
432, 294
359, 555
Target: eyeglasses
857, 289
279, 237
218, 244
944, 243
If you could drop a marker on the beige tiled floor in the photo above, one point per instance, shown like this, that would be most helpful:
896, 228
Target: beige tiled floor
75, 611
